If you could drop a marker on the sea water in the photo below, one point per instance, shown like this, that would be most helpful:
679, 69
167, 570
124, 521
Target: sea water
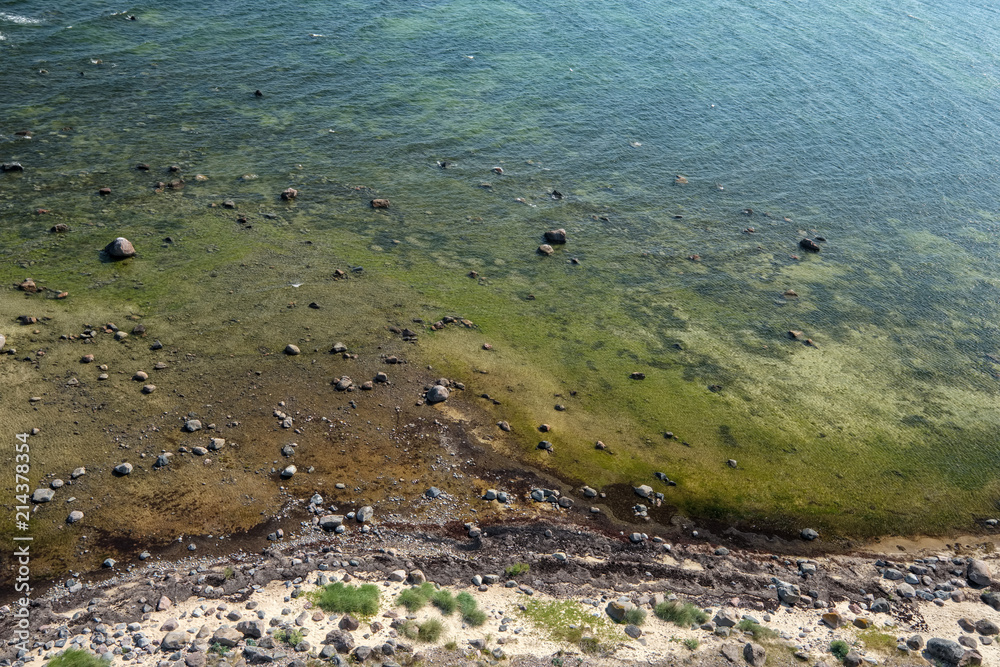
871, 125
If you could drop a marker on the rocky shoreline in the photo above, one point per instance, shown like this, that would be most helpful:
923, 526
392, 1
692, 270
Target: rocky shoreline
905, 609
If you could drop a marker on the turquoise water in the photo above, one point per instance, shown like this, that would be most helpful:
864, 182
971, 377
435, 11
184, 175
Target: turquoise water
874, 125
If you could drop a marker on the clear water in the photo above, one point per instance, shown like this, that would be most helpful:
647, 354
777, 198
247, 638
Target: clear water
874, 126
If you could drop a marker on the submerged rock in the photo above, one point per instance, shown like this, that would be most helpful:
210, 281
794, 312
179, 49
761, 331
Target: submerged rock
120, 248
809, 244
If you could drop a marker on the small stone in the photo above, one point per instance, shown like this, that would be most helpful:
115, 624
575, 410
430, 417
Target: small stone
192, 425
292, 350
123, 468
380, 203
289, 193
545, 249
437, 394
120, 248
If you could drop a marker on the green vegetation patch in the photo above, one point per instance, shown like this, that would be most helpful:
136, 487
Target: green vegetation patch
569, 621
416, 597
680, 613
634, 616
517, 569
874, 640
840, 648
340, 599
77, 658
290, 637
469, 608
445, 601
430, 630
759, 632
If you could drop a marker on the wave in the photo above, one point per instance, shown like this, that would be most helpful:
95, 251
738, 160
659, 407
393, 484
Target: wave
20, 20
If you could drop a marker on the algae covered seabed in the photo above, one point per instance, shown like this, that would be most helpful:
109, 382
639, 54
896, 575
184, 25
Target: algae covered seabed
886, 423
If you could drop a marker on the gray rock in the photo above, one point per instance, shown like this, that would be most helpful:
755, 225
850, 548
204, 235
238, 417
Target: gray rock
788, 593
192, 425
754, 654
124, 468
905, 590
349, 623
365, 514
227, 636
987, 627
617, 609
120, 248
633, 631
945, 649
252, 629
731, 652
808, 534
362, 653
892, 574
989, 597
915, 643
437, 394
637, 538
432, 492
162, 461
879, 606
331, 521
3, 341
979, 573
555, 236
589, 492
288, 472
42, 495
78, 472
257, 656
292, 350
341, 641
74, 516
726, 618
109, 562
174, 641
644, 491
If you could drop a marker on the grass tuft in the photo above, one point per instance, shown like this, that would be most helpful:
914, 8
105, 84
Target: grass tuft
840, 648
680, 613
874, 640
77, 658
634, 616
758, 631
290, 637
517, 569
445, 601
471, 613
430, 630
340, 599
415, 598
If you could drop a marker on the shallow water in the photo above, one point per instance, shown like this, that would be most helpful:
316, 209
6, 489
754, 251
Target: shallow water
874, 127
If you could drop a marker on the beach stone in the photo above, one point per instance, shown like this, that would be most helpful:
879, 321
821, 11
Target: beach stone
432, 492
545, 249
944, 649
74, 517
833, 619
109, 562
364, 514
967, 642
252, 629
343, 384
905, 590
892, 574
331, 521
380, 203
196, 659
123, 468
979, 573
853, 659
140, 376
161, 461
227, 636
437, 394
633, 631
879, 606
173, 641
644, 491
255, 655
987, 627
289, 193
788, 593
754, 654
555, 236
192, 425
341, 641
292, 350
637, 538
216, 444
42, 495
148, 388
120, 248
808, 534
617, 609
397, 575
349, 623
288, 472
726, 618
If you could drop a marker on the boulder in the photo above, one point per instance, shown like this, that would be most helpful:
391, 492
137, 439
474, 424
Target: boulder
257, 656
555, 236
227, 636
726, 618
292, 350
288, 472
289, 193
74, 517
633, 631
945, 650
787, 592
123, 469
349, 623
42, 495
754, 654
833, 619
979, 573
331, 521
644, 491
809, 244
164, 603
618, 608
365, 514
545, 249
192, 425
380, 203
252, 629
120, 248
992, 599
437, 394
987, 627
173, 641
879, 606
808, 534
341, 641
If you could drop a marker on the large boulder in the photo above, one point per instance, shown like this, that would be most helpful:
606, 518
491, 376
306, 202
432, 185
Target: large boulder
174, 641
945, 650
342, 641
618, 608
120, 248
227, 636
754, 654
979, 573
252, 629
